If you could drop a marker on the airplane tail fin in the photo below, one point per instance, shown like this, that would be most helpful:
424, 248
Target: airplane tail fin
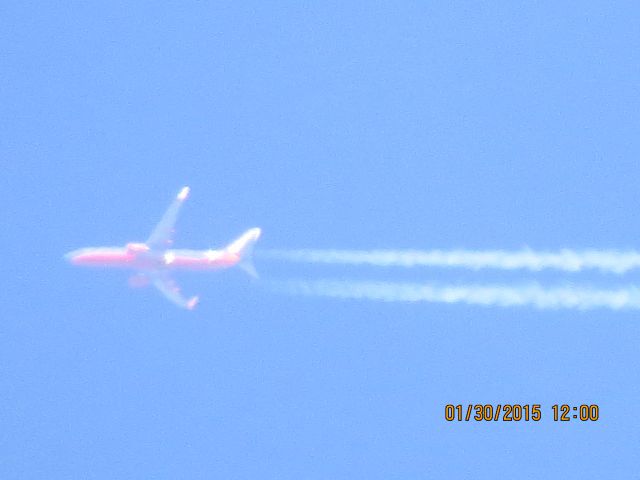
243, 247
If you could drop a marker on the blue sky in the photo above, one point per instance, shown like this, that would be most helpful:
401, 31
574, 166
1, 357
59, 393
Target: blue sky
329, 125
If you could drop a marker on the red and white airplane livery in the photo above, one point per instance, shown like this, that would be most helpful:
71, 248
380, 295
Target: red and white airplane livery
153, 260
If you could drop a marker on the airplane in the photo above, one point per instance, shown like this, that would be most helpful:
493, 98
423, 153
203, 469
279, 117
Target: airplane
153, 260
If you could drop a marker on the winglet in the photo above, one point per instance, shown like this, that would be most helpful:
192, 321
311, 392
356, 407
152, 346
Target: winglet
184, 193
192, 302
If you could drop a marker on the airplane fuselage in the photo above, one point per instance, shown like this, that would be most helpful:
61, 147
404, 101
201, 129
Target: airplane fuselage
144, 259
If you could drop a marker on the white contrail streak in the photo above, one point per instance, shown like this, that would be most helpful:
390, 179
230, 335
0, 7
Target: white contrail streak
568, 260
534, 295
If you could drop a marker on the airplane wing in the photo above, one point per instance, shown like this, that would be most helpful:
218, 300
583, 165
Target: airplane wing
170, 289
162, 235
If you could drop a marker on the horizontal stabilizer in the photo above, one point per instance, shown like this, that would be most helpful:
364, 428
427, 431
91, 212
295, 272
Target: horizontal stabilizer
243, 247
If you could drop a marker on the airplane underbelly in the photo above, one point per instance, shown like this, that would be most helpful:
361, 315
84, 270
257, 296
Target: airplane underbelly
104, 259
197, 263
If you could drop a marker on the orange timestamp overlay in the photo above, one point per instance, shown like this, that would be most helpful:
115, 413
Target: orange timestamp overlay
515, 412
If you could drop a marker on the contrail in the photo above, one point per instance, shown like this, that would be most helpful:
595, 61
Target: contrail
568, 260
570, 297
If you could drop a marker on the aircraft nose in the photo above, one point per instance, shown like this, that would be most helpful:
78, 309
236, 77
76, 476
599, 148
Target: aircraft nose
69, 256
